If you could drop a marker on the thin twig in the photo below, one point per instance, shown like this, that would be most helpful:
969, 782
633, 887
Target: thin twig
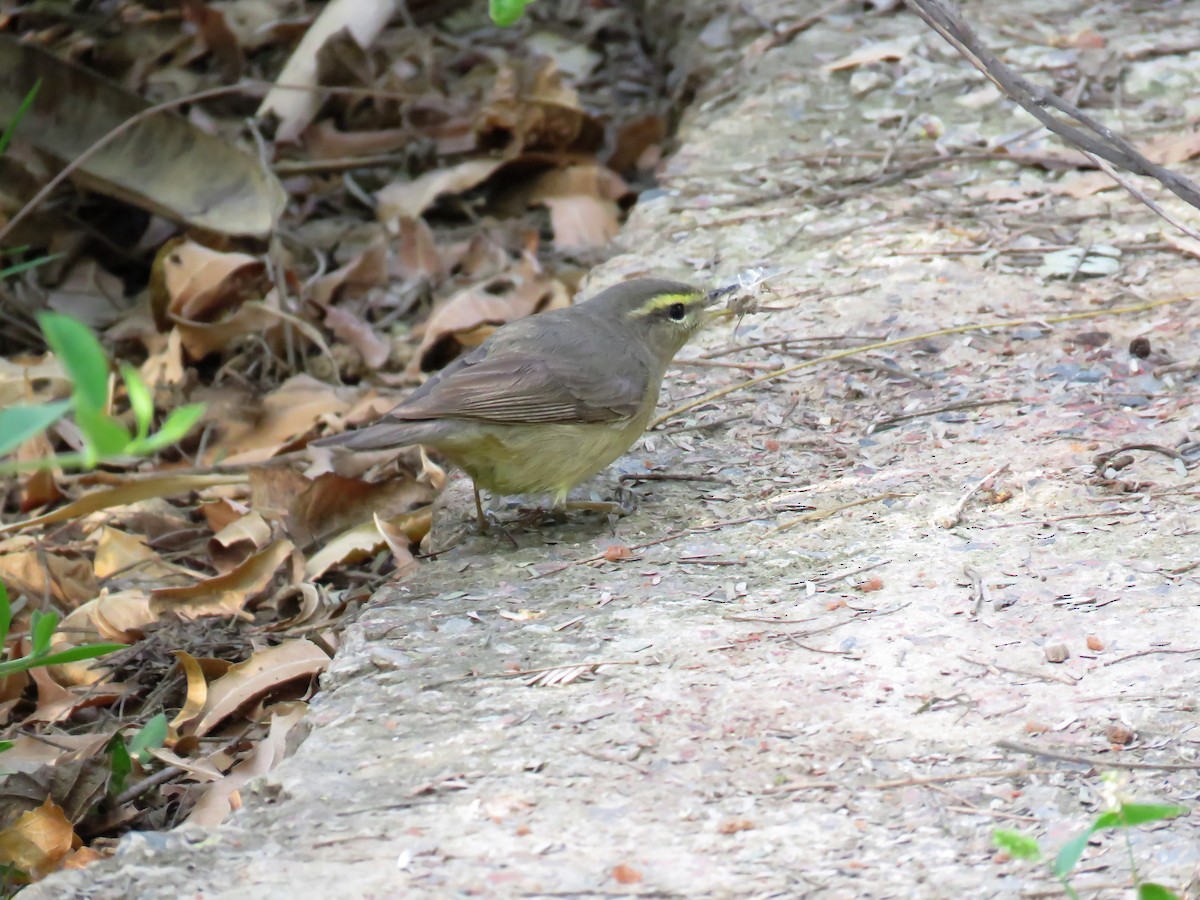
1096, 762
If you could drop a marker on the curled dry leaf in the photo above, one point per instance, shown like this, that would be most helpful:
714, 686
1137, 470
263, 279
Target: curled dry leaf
467, 318
199, 284
230, 546
197, 696
367, 538
55, 702
39, 841
221, 799
224, 595
118, 617
258, 676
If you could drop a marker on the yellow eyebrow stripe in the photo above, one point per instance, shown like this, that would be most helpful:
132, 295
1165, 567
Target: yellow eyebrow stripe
654, 304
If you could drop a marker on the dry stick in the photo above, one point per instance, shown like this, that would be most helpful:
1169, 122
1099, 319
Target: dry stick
902, 782
818, 515
1096, 762
1101, 141
1141, 195
896, 342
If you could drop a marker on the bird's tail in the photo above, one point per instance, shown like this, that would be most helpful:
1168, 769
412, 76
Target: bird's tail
383, 435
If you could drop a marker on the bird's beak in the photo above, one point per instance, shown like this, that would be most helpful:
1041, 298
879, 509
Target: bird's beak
714, 297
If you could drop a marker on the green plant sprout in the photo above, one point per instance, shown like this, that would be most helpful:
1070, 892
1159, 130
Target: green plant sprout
41, 630
507, 12
105, 437
1120, 815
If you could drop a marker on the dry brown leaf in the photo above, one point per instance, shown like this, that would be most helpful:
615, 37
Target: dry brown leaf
224, 595
164, 366
216, 37
29, 753
161, 163
399, 537
295, 109
202, 770
40, 488
230, 546
38, 572
55, 702
417, 254
222, 512
532, 108
18, 375
367, 538
411, 198
583, 205
359, 334
125, 494
200, 283
456, 323
119, 616
289, 412
313, 510
880, 51
84, 857
221, 798
261, 674
39, 841
367, 269
119, 553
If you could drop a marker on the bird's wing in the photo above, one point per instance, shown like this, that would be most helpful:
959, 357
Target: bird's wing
502, 383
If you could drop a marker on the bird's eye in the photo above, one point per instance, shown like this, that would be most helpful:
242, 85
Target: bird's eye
677, 311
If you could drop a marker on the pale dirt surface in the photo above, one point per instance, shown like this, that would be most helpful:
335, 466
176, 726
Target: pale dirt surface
732, 754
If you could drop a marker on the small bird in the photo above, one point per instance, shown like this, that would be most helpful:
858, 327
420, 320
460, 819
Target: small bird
549, 400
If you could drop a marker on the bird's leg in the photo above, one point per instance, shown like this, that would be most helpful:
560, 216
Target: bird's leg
480, 519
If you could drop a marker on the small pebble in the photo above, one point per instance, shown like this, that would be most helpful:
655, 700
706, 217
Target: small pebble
1057, 653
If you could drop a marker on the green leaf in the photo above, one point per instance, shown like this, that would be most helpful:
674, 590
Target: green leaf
21, 422
119, 763
11, 128
106, 437
41, 629
174, 429
5, 615
1017, 845
507, 12
1140, 813
5, 745
1070, 853
18, 268
75, 654
140, 400
150, 736
82, 356
1147, 890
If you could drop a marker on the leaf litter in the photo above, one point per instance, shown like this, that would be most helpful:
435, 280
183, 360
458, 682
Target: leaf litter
455, 178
